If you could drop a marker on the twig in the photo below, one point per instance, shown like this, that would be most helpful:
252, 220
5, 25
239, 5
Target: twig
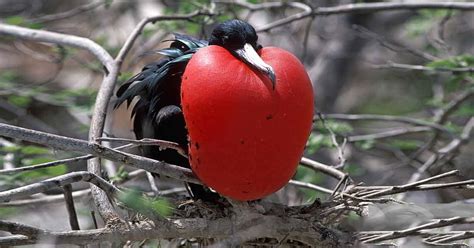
56, 38
70, 144
376, 191
444, 151
440, 118
163, 144
393, 45
310, 186
339, 185
56, 163
94, 220
68, 14
139, 28
387, 134
391, 65
326, 169
442, 115
58, 181
401, 119
373, 237
340, 149
356, 8
44, 200
153, 186
46, 165
71, 210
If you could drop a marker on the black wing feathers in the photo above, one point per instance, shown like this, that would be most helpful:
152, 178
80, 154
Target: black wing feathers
157, 113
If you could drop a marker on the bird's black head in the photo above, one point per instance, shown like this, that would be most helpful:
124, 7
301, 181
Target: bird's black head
234, 34
240, 38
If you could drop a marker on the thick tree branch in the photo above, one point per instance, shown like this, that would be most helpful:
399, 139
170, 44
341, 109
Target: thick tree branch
240, 228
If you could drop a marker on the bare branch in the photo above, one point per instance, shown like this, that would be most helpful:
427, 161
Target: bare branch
387, 134
340, 149
326, 169
375, 191
245, 227
46, 165
163, 144
378, 236
71, 209
139, 28
44, 200
356, 8
310, 186
444, 151
67, 14
58, 181
56, 38
70, 144
391, 118
392, 65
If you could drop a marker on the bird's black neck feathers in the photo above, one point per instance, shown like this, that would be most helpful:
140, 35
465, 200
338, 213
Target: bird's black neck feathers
234, 34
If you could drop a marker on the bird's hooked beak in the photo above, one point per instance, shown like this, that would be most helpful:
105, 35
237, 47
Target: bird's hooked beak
251, 57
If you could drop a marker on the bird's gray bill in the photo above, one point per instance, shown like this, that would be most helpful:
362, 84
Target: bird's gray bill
251, 57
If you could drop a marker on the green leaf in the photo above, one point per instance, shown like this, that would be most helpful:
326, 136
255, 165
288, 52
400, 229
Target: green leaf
144, 205
121, 175
317, 141
20, 101
40, 173
405, 144
354, 170
8, 211
34, 150
9, 149
338, 127
308, 175
20, 21
461, 61
465, 111
365, 144
108, 3
453, 127
15, 20
425, 20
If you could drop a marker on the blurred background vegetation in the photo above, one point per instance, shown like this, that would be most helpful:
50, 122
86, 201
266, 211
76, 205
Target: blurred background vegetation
357, 63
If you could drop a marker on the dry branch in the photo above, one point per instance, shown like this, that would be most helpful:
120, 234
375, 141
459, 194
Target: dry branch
62, 39
356, 8
58, 181
378, 236
70, 144
241, 228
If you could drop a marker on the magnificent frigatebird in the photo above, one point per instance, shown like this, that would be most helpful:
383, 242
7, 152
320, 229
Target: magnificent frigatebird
158, 112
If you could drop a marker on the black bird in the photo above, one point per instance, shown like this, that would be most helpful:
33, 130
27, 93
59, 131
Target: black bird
157, 113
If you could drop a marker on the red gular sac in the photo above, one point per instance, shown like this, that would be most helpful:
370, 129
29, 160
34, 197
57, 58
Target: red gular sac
245, 137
